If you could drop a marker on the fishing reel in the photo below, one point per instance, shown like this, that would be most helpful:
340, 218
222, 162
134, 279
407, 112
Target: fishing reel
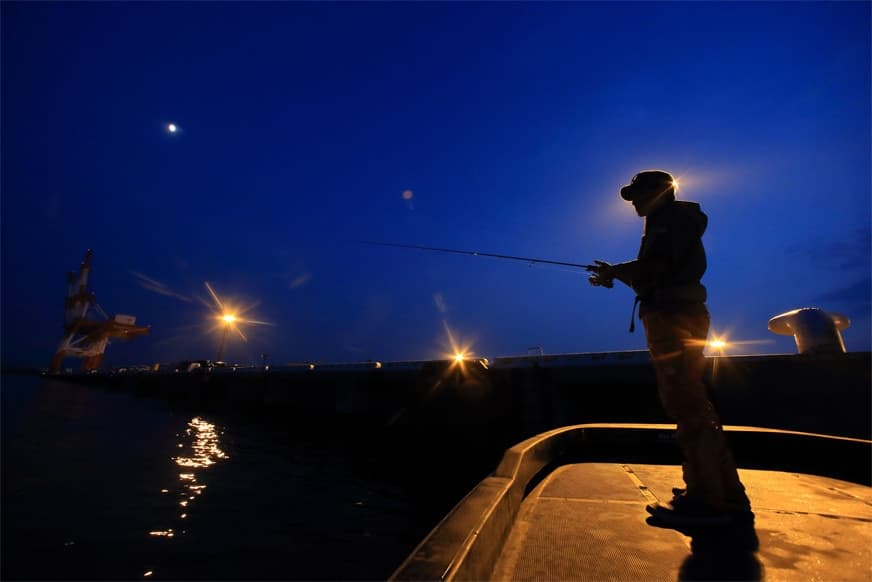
598, 278
599, 281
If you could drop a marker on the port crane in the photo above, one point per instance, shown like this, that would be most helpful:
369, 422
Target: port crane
85, 336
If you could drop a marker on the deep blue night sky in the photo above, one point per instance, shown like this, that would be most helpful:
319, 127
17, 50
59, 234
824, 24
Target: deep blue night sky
509, 127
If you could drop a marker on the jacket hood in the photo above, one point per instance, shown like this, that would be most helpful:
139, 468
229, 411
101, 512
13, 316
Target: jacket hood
690, 215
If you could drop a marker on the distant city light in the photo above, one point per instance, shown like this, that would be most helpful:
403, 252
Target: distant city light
230, 316
457, 353
720, 343
172, 128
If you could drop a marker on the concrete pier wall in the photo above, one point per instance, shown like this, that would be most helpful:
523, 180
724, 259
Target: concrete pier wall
519, 397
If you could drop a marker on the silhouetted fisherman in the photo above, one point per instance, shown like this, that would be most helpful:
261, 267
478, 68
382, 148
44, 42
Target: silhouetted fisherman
666, 279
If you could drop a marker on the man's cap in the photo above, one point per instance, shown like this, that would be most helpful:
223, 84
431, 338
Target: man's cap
649, 182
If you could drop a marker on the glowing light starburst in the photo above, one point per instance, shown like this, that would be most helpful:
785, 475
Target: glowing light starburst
459, 353
228, 317
719, 343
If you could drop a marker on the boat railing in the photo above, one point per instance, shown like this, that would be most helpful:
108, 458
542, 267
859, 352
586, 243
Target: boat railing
468, 541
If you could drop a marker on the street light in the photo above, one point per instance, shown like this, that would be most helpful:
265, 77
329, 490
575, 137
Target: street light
231, 316
228, 319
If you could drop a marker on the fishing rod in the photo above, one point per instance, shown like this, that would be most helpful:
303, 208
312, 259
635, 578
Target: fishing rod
530, 260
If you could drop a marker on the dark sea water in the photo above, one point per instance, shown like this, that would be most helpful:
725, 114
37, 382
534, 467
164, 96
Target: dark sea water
107, 485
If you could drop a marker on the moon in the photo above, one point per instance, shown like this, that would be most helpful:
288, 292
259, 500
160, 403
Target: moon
172, 128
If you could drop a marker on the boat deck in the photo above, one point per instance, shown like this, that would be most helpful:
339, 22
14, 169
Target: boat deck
588, 521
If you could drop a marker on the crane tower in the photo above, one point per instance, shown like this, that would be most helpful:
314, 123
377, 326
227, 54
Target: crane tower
86, 337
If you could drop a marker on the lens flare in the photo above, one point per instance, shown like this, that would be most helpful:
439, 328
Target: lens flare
229, 316
460, 354
456, 351
717, 344
720, 343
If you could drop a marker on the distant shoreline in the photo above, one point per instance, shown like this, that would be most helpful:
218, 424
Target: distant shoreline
20, 371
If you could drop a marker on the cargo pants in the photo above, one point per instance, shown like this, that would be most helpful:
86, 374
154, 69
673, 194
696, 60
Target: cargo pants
676, 342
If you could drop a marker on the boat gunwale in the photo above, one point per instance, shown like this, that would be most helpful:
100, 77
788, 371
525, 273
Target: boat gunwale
468, 540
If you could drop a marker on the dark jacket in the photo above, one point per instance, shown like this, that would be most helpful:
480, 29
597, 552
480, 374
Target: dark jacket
675, 261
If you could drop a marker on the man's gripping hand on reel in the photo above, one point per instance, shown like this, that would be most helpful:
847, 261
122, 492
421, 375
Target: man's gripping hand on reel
602, 274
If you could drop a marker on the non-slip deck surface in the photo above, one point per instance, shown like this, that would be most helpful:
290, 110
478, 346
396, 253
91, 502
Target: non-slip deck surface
587, 521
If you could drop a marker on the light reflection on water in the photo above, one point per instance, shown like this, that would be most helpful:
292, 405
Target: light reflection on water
88, 473
204, 446
200, 441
